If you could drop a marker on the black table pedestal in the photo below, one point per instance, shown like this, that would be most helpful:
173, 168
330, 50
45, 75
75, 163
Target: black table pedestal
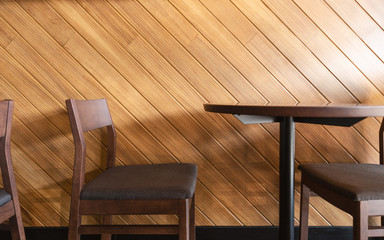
287, 168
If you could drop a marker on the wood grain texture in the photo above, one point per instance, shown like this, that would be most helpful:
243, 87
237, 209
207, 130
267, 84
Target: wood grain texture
157, 62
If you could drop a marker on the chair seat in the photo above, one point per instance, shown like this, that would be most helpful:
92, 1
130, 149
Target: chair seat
4, 197
357, 181
150, 181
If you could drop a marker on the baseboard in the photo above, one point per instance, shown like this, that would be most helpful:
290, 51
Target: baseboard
202, 233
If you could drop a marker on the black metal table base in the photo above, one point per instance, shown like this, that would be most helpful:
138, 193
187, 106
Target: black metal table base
287, 168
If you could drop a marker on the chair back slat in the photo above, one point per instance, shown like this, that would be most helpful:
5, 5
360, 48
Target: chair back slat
91, 114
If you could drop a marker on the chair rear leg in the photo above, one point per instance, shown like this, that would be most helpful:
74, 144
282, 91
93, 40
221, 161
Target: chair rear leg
74, 224
304, 212
17, 228
107, 220
184, 222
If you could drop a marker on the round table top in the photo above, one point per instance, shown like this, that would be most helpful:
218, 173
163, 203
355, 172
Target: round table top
300, 110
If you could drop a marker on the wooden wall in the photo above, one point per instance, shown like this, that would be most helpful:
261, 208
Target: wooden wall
157, 62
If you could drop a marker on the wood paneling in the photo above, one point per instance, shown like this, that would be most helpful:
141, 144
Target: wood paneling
157, 62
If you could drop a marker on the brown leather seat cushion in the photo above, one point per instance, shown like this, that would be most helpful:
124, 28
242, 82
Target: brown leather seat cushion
357, 181
151, 181
4, 197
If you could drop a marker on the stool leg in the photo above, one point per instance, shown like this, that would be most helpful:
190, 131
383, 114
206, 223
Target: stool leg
304, 212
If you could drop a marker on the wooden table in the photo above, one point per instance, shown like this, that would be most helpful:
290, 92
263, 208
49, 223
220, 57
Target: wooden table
287, 115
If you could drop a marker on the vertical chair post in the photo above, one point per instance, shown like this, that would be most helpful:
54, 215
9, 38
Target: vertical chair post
184, 224
360, 221
16, 223
304, 212
192, 227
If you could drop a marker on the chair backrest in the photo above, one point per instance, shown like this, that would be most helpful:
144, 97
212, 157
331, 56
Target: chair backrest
89, 114
84, 116
6, 110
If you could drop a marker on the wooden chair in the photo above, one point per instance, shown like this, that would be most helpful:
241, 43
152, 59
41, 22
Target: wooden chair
357, 189
124, 190
9, 201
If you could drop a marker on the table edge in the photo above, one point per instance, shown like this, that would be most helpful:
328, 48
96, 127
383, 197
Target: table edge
324, 111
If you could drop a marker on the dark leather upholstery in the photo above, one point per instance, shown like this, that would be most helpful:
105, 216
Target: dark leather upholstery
357, 181
4, 197
153, 181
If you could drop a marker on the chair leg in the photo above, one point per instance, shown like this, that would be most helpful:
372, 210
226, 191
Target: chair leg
304, 212
17, 228
74, 224
382, 224
184, 224
192, 227
360, 221
107, 220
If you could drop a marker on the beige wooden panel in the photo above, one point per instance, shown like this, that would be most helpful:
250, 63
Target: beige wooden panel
268, 55
294, 49
225, 43
375, 9
350, 43
199, 76
361, 23
6, 34
328, 53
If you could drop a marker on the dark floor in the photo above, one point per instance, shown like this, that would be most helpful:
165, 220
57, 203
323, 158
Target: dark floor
202, 233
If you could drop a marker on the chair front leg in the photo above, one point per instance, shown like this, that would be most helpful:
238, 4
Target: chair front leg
184, 224
304, 212
360, 221
192, 227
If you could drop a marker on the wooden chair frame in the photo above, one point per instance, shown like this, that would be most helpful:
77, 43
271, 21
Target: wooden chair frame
10, 210
360, 210
81, 116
